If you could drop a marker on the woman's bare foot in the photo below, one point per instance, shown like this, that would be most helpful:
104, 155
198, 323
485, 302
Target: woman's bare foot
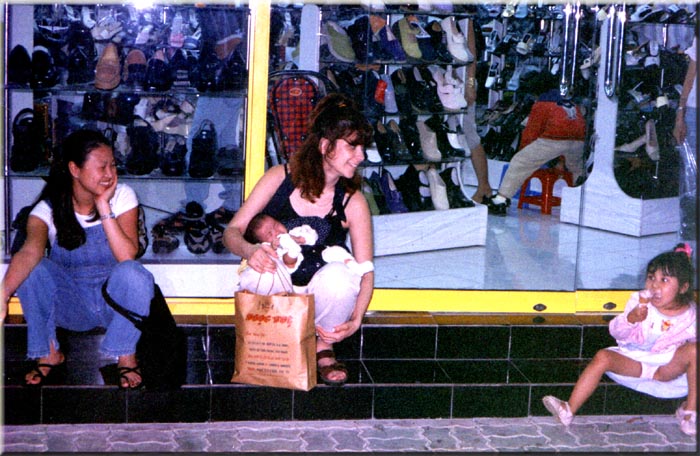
480, 193
37, 374
332, 372
129, 373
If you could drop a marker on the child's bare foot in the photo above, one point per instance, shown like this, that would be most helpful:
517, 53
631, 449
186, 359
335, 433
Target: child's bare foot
129, 372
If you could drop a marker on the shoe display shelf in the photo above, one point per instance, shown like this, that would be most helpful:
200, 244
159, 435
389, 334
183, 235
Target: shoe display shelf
643, 104
363, 68
150, 80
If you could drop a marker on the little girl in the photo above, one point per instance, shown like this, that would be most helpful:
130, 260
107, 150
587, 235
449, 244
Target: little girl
657, 341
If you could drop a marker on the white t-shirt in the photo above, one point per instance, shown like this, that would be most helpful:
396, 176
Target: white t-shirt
124, 199
692, 52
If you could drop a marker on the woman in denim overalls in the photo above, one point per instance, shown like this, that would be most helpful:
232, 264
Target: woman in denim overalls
90, 224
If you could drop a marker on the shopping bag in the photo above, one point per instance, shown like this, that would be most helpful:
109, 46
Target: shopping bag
275, 340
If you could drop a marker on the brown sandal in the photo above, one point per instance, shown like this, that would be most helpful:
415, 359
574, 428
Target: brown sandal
324, 371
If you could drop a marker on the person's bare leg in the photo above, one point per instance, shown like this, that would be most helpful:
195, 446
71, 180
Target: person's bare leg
55, 358
129, 379
481, 169
336, 375
684, 361
603, 361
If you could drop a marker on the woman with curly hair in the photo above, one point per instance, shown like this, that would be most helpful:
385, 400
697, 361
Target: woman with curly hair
318, 187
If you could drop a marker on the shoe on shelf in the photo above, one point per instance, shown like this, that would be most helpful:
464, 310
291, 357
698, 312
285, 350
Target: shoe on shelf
456, 42
688, 420
407, 31
438, 190
163, 240
560, 409
455, 196
428, 141
338, 41
393, 196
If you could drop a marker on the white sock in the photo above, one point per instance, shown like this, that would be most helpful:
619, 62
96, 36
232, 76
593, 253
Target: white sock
498, 199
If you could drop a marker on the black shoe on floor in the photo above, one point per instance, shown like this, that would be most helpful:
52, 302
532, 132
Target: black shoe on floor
496, 208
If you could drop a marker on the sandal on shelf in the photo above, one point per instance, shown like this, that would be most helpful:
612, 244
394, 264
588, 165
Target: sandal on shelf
216, 233
55, 375
220, 216
325, 371
123, 370
163, 240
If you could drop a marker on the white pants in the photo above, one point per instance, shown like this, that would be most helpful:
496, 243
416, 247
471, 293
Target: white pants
536, 154
335, 288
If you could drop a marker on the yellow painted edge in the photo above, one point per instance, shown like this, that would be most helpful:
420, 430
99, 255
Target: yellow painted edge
456, 301
256, 121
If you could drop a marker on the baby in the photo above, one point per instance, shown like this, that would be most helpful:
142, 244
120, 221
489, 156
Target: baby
265, 229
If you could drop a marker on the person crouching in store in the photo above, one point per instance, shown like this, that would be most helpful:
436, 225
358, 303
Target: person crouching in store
556, 127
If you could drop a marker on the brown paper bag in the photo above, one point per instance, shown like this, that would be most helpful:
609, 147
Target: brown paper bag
275, 340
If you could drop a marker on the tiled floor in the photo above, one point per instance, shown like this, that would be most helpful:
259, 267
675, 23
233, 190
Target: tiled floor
527, 250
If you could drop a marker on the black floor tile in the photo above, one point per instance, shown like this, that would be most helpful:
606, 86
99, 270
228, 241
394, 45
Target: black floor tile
620, 400
190, 404
406, 402
406, 372
350, 402
221, 343
349, 348
220, 372
473, 342
595, 338
196, 342
81, 404
545, 342
21, 405
244, 403
392, 342
551, 370
490, 401
15, 342
482, 371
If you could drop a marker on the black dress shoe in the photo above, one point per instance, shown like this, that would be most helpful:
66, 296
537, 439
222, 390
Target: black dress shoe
158, 75
204, 146
455, 195
44, 72
19, 66
496, 208
402, 91
411, 136
436, 124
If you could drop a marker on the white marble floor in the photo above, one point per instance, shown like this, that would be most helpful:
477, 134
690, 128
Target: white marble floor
527, 250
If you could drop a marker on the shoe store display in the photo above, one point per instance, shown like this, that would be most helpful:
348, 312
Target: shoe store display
145, 145
108, 69
338, 42
45, 75
26, 153
204, 147
455, 196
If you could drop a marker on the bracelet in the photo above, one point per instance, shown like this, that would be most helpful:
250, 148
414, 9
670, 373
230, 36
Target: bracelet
680, 108
108, 216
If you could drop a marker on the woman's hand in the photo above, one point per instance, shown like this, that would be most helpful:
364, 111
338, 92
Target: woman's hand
102, 200
338, 333
262, 259
638, 314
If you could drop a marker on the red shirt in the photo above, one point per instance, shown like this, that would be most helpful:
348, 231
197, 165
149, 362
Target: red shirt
550, 120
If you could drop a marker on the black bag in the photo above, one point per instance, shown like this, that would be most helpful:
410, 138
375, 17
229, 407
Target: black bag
162, 349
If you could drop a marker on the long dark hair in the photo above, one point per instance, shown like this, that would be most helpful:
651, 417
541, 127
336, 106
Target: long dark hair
58, 191
676, 263
335, 117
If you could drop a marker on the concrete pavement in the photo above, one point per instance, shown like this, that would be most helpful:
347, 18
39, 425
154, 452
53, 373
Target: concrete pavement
534, 434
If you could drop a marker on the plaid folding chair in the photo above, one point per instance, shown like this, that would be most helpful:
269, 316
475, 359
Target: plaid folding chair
291, 98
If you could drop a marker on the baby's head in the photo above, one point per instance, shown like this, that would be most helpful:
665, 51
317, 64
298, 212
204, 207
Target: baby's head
263, 228
676, 263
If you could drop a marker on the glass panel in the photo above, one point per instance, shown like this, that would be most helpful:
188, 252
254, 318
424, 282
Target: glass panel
400, 62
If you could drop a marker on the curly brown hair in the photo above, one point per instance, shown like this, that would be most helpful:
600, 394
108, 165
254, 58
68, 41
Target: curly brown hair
335, 117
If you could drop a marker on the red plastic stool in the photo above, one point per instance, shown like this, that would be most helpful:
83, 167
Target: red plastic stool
546, 200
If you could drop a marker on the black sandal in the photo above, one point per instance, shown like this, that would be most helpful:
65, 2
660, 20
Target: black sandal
55, 375
324, 371
123, 370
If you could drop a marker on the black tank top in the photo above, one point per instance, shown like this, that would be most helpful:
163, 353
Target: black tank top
329, 228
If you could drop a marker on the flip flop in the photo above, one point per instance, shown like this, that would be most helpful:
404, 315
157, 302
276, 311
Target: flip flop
324, 371
54, 376
123, 370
